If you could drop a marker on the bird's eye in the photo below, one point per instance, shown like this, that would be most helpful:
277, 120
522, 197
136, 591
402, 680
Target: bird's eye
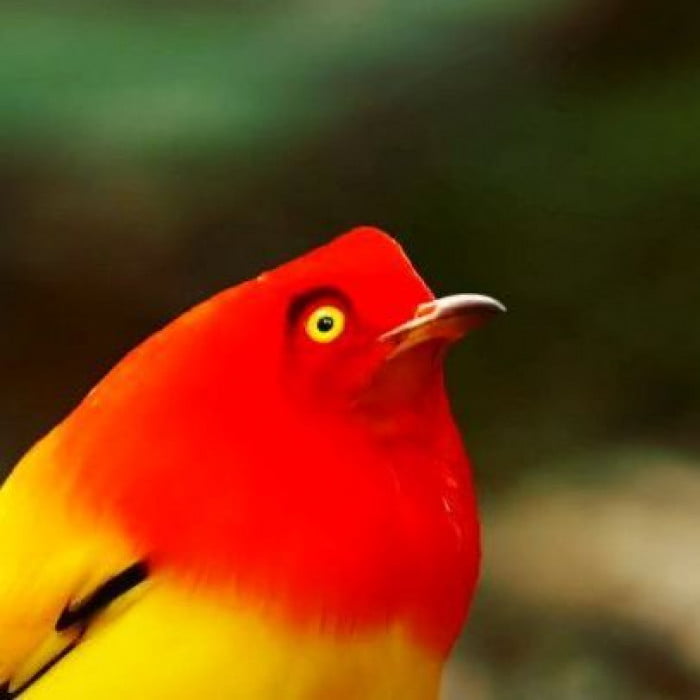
325, 324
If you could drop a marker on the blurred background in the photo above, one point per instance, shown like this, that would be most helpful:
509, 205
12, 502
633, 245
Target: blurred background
544, 151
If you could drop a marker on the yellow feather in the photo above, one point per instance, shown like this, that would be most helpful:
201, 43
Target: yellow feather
51, 556
173, 645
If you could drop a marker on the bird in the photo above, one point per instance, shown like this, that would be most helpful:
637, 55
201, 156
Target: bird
267, 499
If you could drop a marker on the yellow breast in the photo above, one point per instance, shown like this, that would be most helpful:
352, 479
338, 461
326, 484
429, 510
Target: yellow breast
165, 645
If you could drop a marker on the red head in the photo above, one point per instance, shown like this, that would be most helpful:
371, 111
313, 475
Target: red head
290, 439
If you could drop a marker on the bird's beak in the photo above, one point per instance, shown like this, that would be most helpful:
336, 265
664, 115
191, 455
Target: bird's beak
447, 319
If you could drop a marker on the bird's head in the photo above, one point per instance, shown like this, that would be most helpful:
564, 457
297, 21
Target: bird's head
350, 328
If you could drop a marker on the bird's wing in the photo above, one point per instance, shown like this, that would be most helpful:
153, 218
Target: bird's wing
56, 574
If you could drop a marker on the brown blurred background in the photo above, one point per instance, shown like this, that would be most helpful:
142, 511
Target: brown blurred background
544, 151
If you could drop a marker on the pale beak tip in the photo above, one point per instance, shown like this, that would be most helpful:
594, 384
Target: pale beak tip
449, 317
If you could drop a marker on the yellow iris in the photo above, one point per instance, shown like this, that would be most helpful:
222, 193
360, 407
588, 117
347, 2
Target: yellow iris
325, 324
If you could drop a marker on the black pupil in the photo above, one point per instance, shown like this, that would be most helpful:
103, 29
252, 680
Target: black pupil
325, 324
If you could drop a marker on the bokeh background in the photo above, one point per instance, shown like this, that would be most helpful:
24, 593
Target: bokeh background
544, 151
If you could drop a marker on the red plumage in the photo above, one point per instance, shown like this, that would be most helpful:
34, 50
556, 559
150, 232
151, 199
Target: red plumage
237, 453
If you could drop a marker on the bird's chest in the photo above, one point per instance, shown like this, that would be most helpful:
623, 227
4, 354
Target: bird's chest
178, 644
353, 542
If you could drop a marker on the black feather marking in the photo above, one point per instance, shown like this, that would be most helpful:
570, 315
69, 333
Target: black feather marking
80, 616
107, 593
39, 674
